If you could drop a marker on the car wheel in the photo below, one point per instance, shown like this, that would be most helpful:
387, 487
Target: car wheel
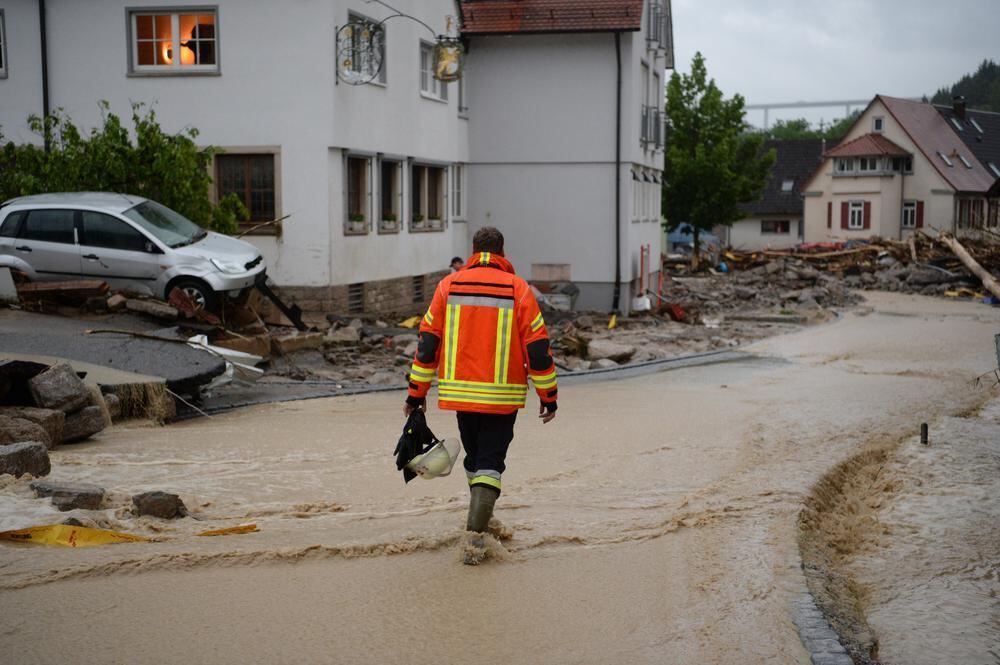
198, 291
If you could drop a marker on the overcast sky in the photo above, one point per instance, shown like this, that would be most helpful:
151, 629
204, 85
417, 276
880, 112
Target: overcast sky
774, 51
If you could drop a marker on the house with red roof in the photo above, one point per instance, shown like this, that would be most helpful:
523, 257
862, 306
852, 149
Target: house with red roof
903, 166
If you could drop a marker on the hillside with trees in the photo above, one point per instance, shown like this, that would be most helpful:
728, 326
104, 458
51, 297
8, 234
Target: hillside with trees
981, 89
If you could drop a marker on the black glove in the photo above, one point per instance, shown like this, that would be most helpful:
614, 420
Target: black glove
416, 402
550, 407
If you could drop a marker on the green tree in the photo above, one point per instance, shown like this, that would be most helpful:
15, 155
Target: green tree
712, 162
168, 168
798, 128
980, 89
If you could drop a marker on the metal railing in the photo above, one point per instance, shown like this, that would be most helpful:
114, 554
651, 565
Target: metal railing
660, 30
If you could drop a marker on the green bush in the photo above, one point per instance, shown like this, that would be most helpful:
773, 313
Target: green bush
168, 168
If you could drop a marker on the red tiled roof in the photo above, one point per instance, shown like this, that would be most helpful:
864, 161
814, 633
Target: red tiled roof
932, 135
867, 145
490, 17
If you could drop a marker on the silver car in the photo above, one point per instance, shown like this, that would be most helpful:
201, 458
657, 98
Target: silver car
132, 243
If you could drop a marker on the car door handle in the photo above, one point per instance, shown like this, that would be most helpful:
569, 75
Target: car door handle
91, 256
23, 248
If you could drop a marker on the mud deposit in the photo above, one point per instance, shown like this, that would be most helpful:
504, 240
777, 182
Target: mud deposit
656, 520
927, 575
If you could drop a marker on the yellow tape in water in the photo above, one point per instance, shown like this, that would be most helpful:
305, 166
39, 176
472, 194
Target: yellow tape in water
69, 536
229, 530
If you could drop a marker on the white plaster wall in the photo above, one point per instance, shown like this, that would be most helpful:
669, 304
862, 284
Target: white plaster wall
21, 91
277, 87
745, 234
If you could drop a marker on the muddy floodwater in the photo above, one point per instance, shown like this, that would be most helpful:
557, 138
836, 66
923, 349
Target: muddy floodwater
654, 521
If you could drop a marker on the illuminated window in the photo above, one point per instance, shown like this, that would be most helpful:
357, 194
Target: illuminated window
3, 48
162, 41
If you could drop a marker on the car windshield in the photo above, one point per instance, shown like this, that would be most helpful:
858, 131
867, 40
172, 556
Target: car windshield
167, 226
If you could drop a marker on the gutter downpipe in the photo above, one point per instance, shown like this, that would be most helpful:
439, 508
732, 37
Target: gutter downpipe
618, 174
902, 198
45, 73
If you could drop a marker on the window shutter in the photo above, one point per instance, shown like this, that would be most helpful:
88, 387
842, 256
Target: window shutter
843, 215
867, 224
920, 214
829, 214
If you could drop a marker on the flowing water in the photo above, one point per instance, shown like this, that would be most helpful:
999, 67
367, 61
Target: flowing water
655, 520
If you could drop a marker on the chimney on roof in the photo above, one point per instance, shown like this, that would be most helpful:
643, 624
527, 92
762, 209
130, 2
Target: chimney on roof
958, 106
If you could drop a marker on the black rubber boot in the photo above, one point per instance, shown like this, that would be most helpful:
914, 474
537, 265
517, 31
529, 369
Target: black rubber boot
481, 507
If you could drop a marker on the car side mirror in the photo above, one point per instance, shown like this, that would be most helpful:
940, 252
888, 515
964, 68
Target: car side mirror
150, 248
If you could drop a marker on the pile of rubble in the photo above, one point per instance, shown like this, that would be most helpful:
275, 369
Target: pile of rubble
43, 407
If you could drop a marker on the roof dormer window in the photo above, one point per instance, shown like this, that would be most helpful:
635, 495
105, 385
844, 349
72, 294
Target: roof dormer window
958, 125
786, 185
965, 161
944, 158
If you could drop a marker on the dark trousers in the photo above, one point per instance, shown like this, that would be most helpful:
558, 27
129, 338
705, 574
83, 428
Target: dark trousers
485, 437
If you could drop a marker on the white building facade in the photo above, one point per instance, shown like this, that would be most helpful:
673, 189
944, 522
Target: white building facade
380, 182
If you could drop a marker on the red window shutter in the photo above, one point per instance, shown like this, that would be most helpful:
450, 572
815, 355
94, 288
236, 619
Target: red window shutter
829, 214
843, 215
920, 214
868, 215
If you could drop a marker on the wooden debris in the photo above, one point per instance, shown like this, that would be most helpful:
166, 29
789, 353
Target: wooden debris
77, 290
989, 282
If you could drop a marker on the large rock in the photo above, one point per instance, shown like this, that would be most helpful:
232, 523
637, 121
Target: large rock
60, 388
50, 420
159, 504
296, 341
27, 457
16, 430
926, 276
603, 363
66, 496
605, 348
400, 342
343, 336
82, 424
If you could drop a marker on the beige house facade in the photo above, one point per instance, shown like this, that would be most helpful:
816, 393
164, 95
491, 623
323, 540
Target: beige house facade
901, 167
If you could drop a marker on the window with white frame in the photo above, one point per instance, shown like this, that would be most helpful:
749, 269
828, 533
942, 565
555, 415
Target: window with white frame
868, 164
174, 42
3, 48
458, 191
856, 215
463, 108
845, 164
878, 123
360, 40
390, 195
909, 215
429, 85
427, 197
358, 195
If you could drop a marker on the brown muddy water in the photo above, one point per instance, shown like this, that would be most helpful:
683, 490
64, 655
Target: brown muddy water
654, 521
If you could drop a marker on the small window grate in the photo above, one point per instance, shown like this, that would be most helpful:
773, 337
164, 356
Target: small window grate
418, 289
356, 298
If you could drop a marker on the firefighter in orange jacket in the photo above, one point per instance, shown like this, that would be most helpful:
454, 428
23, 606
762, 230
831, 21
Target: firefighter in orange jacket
482, 337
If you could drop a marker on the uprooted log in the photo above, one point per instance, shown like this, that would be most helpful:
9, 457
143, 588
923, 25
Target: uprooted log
989, 282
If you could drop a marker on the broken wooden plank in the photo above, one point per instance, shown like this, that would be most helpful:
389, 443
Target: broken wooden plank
76, 289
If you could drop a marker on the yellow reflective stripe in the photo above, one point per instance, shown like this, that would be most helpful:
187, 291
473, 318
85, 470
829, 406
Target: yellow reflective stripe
477, 386
545, 384
479, 398
451, 341
537, 322
485, 480
500, 360
428, 317
423, 371
484, 258
544, 377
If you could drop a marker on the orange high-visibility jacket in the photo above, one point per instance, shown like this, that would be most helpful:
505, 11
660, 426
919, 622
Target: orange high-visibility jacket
482, 336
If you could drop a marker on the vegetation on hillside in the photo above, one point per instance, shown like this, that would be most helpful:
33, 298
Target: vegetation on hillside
980, 89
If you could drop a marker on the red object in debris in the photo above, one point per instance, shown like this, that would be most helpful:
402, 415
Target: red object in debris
675, 311
183, 303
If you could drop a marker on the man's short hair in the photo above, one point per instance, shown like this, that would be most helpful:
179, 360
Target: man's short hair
488, 239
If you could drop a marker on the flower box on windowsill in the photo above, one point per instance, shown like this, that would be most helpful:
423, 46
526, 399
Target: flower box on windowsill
389, 224
356, 225
420, 224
